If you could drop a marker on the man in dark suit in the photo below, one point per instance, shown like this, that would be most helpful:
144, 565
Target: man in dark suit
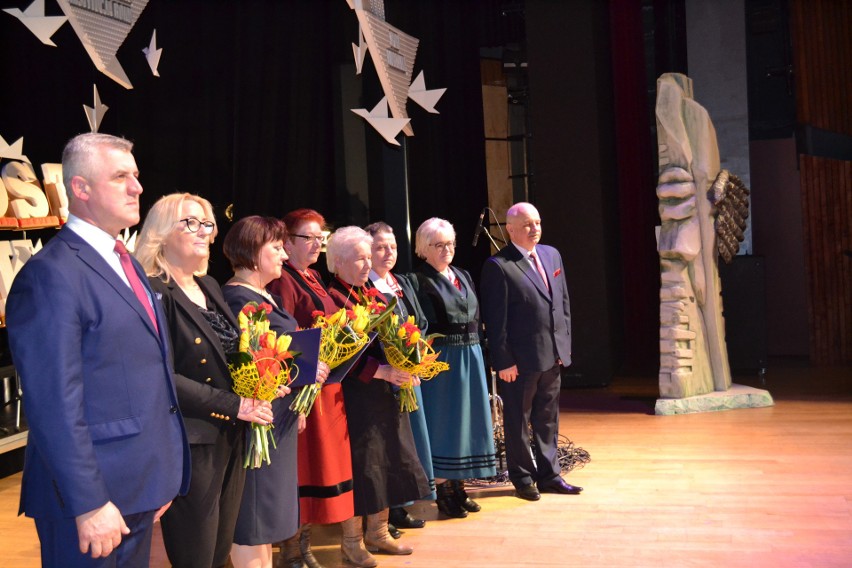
107, 450
528, 324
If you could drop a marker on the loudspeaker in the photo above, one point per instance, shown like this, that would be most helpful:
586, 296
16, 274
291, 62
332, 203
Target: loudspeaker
744, 308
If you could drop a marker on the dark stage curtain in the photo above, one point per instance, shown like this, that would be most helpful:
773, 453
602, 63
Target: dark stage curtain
243, 110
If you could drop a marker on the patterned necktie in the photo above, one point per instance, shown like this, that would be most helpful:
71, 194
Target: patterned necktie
135, 282
540, 269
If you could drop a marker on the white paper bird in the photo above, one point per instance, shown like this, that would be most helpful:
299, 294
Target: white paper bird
13, 152
359, 51
43, 27
425, 98
95, 114
129, 239
389, 128
152, 54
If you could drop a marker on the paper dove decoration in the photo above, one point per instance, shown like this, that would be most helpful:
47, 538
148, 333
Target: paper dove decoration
152, 54
13, 152
359, 51
427, 99
43, 27
95, 114
389, 128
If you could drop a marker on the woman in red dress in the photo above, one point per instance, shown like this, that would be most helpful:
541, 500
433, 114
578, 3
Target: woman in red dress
325, 463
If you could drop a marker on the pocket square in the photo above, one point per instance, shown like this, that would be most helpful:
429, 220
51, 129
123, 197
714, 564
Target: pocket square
557, 272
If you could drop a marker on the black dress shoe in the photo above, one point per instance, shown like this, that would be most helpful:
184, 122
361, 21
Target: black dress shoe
558, 485
401, 518
528, 492
394, 532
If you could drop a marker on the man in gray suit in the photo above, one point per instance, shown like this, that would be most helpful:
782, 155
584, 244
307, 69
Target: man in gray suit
528, 323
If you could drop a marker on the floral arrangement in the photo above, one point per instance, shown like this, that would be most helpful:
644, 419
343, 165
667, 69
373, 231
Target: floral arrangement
343, 335
404, 345
262, 364
407, 350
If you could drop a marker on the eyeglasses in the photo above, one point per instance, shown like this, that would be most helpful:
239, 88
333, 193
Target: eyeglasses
318, 239
447, 245
193, 225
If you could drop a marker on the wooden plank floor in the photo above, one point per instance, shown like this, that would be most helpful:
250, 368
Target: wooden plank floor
741, 488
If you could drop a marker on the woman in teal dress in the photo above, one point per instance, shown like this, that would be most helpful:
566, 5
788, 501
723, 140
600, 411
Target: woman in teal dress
455, 403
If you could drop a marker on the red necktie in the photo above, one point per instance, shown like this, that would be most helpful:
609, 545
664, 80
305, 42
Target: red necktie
135, 282
540, 269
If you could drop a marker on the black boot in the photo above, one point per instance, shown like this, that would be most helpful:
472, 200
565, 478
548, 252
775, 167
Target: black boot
462, 499
447, 503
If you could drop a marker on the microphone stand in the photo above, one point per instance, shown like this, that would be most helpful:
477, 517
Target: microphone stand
487, 231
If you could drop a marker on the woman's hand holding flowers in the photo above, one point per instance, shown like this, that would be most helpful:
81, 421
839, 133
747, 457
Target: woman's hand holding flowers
322, 372
395, 376
253, 410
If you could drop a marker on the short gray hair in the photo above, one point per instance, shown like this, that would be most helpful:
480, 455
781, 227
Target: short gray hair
341, 245
78, 157
426, 231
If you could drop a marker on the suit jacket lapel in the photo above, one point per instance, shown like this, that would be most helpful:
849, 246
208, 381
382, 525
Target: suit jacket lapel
527, 268
191, 310
90, 257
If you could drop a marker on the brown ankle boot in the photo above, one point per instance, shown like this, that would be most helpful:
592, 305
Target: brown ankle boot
378, 537
352, 546
305, 548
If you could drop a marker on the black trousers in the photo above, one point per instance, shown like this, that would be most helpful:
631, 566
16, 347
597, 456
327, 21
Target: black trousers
198, 529
532, 398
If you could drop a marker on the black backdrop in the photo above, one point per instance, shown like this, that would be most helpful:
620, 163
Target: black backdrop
248, 111
244, 109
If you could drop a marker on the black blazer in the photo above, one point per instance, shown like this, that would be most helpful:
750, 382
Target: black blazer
203, 382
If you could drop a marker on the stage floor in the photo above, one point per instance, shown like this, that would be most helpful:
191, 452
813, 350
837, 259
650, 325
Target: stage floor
740, 488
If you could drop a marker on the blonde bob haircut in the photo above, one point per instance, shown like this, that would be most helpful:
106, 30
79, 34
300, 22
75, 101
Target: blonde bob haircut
160, 221
426, 233
341, 245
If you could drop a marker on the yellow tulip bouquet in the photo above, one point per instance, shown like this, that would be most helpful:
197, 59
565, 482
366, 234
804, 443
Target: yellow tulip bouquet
262, 364
407, 350
343, 335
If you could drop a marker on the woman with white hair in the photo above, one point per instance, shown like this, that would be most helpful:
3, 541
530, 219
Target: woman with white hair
458, 416
385, 468
174, 249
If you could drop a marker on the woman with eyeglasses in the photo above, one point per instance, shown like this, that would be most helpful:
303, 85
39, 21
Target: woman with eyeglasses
455, 403
325, 463
174, 248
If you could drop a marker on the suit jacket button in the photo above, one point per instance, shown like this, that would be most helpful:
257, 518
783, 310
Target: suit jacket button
204, 361
197, 340
173, 409
207, 380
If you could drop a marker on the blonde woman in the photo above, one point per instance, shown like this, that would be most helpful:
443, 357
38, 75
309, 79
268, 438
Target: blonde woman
174, 249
